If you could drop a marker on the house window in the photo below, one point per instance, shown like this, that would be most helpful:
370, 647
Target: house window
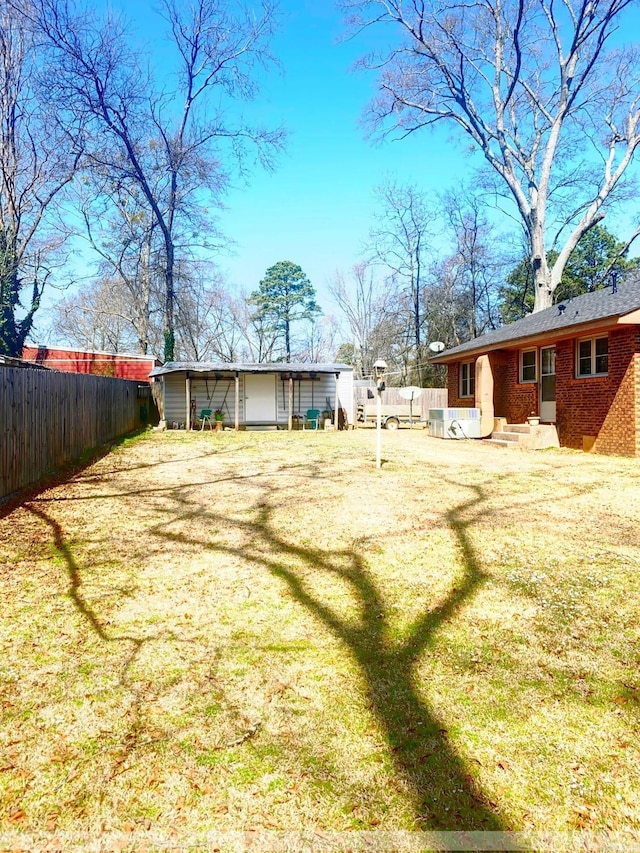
468, 379
528, 363
593, 356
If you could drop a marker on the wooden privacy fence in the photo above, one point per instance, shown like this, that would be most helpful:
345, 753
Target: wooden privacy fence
430, 398
49, 418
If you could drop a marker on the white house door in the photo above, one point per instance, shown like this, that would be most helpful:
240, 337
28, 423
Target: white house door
260, 397
548, 384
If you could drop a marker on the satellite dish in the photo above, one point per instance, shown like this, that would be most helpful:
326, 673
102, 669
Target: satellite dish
411, 392
436, 346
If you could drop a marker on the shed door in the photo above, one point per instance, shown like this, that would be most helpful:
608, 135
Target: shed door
548, 384
260, 397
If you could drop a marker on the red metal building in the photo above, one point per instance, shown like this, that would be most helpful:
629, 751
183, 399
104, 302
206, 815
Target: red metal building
119, 365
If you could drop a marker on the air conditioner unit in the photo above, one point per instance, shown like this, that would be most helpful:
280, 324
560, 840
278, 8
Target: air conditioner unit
454, 423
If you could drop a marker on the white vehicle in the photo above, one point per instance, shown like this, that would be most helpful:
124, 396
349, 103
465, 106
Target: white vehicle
392, 415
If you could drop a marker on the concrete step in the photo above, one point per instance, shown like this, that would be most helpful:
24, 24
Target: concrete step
507, 435
498, 442
527, 437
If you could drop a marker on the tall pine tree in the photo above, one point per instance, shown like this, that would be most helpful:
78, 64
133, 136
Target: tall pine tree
285, 296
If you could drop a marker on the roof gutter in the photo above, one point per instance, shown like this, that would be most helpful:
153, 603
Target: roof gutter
552, 336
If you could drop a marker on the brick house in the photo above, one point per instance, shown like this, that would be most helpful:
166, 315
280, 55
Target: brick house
576, 365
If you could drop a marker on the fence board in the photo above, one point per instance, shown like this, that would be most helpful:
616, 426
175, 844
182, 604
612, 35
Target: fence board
430, 398
49, 418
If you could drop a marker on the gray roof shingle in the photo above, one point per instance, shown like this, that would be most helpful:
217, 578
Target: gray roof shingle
600, 305
226, 367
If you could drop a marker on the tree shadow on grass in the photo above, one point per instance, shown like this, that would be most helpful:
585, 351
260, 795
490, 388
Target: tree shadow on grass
139, 731
81, 603
443, 793
75, 472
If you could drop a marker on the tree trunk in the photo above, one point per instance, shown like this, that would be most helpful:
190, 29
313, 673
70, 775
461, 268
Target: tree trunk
145, 297
543, 289
169, 302
543, 296
416, 316
13, 333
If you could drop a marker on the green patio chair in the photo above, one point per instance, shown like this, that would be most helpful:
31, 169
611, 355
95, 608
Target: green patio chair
312, 418
206, 417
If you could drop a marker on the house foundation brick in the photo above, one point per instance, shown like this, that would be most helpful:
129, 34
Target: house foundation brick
600, 413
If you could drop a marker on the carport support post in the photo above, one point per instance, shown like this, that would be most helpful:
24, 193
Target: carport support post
237, 412
187, 420
290, 420
336, 419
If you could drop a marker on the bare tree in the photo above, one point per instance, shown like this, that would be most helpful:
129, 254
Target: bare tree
98, 317
539, 90
37, 161
401, 242
476, 262
122, 231
369, 307
203, 320
235, 339
245, 336
448, 315
317, 343
138, 132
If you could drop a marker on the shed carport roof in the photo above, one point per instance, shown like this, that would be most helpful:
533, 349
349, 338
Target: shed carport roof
600, 308
231, 368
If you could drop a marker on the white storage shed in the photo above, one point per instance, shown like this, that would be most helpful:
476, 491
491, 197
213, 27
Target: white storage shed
254, 395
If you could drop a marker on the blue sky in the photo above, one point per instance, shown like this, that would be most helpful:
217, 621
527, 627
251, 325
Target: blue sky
317, 208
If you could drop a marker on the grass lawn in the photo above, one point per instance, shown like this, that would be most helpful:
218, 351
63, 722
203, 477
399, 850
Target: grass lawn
261, 631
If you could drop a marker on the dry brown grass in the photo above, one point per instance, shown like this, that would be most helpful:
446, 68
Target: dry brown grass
262, 631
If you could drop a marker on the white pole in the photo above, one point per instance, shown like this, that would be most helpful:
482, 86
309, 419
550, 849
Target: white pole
379, 367
379, 431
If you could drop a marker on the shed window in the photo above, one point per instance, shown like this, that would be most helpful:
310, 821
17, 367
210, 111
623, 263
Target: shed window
593, 356
468, 379
528, 364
